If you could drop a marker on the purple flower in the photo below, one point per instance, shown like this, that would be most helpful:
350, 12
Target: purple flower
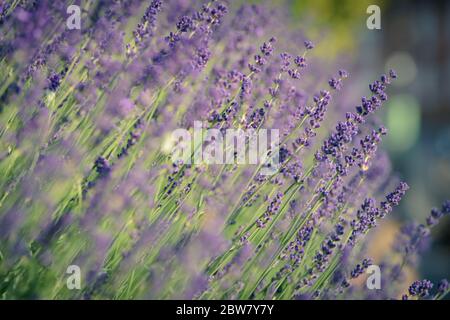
267, 47
443, 286
185, 24
393, 198
53, 81
148, 22
308, 45
300, 61
446, 207
369, 147
420, 288
271, 210
335, 83
360, 268
392, 74
102, 166
201, 58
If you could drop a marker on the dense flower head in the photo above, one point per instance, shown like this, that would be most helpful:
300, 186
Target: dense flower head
393, 198
446, 207
267, 47
102, 166
185, 24
443, 286
145, 27
308, 44
54, 81
361, 268
420, 288
300, 61
336, 82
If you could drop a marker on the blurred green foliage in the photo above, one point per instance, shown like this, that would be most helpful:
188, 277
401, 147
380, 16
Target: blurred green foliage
334, 25
403, 121
344, 20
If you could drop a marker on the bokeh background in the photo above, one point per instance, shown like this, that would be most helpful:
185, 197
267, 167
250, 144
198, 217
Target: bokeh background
415, 41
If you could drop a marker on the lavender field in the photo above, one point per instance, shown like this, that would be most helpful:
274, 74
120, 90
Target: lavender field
102, 198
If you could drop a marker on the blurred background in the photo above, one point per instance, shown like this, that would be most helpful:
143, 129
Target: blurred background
415, 41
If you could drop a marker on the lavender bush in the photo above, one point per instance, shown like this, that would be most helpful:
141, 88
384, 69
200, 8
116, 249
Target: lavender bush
86, 122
